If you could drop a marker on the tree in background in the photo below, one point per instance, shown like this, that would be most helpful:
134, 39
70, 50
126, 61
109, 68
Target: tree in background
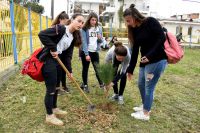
120, 14
33, 4
35, 7
21, 18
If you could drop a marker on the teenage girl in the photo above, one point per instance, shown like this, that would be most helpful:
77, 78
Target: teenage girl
56, 40
119, 56
92, 39
65, 57
147, 37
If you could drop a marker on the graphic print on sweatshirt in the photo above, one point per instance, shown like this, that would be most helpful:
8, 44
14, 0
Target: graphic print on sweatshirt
93, 32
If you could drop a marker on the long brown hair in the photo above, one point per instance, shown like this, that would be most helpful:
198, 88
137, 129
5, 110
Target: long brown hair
87, 23
132, 11
62, 15
77, 41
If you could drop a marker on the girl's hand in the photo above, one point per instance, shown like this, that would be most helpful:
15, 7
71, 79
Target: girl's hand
54, 54
70, 76
87, 58
129, 76
144, 59
99, 36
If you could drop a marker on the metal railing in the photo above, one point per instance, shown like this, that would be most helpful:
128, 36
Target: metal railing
19, 28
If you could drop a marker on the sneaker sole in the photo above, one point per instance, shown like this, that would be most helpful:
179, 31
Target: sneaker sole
136, 110
60, 115
49, 123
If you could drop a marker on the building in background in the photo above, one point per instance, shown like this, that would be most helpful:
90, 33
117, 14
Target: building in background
111, 14
142, 5
114, 11
87, 6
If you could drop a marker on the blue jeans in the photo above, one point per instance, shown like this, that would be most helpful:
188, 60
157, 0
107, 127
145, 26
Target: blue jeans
148, 78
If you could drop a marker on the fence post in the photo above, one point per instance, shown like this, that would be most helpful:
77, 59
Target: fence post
12, 19
30, 29
190, 42
47, 21
40, 25
40, 22
110, 21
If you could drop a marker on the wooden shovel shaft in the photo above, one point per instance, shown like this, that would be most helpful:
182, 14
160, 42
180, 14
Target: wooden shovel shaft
73, 80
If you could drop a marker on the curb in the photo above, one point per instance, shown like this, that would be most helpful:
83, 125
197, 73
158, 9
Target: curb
7, 73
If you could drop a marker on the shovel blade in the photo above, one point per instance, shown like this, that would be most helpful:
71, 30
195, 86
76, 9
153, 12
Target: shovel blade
91, 108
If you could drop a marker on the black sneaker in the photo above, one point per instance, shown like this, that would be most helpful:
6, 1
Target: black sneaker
61, 92
114, 97
86, 89
82, 86
102, 86
66, 89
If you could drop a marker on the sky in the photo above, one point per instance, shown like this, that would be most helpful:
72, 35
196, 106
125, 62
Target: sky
168, 8
59, 6
164, 8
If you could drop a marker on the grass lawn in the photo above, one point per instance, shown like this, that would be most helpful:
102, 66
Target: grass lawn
176, 104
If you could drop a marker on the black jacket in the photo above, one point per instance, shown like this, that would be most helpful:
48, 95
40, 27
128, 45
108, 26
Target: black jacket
149, 39
50, 38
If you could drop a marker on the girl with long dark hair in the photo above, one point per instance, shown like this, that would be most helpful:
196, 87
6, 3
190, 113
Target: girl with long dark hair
146, 34
92, 38
57, 39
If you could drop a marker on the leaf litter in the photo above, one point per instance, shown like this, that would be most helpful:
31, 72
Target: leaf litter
101, 118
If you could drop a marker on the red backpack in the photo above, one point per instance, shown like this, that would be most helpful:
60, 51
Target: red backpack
33, 66
173, 49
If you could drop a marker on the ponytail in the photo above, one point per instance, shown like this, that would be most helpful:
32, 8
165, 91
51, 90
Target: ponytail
117, 44
120, 49
62, 15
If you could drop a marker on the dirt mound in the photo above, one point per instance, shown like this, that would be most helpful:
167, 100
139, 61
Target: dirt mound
101, 118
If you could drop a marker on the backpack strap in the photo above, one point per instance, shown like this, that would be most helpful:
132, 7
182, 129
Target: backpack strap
168, 38
56, 29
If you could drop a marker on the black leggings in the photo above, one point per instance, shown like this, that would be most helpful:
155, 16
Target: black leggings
51, 72
117, 77
62, 74
122, 85
85, 64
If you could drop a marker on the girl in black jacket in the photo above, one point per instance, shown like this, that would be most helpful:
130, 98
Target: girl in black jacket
146, 35
57, 39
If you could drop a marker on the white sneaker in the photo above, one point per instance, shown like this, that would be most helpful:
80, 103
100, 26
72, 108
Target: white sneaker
51, 119
140, 115
120, 100
140, 108
59, 112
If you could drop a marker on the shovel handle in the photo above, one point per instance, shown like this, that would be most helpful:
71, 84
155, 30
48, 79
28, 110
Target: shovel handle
73, 80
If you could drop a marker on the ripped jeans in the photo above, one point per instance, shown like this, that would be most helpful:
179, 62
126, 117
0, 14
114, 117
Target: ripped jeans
148, 78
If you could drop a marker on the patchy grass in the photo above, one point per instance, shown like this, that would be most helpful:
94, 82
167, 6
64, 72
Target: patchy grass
176, 104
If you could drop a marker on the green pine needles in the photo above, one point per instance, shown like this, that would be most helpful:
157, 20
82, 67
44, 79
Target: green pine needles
106, 73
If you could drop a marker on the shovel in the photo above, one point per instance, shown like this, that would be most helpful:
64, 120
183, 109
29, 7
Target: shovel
91, 106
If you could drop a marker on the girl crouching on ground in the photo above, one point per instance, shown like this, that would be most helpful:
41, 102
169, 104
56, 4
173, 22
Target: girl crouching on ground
118, 54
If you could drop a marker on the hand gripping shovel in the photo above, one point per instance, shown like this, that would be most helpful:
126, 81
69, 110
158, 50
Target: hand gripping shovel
91, 107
